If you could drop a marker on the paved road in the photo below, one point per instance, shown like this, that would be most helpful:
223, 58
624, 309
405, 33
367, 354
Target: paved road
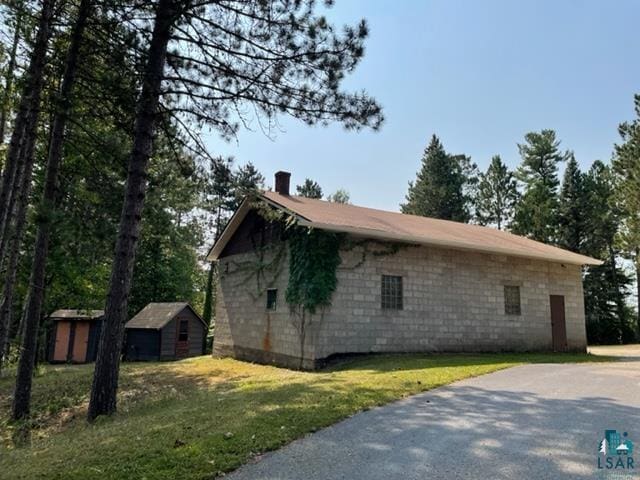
529, 422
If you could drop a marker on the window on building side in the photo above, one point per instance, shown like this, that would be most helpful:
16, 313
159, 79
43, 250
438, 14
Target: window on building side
272, 298
391, 292
512, 300
183, 332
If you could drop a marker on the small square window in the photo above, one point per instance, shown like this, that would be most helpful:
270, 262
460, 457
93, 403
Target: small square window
512, 300
391, 293
272, 298
183, 332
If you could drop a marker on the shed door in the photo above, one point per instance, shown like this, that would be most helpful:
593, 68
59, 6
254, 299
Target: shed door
182, 340
80, 342
558, 325
61, 348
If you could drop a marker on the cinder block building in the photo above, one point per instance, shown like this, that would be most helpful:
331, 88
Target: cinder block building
404, 283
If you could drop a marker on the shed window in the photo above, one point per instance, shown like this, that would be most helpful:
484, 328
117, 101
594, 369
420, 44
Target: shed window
272, 298
391, 292
183, 332
512, 300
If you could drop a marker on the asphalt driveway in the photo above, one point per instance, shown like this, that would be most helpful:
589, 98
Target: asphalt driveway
529, 422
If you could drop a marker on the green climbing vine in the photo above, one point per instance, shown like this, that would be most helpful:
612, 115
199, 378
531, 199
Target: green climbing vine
314, 257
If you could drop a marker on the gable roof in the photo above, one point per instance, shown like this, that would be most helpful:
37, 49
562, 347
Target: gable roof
157, 315
76, 314
400, 227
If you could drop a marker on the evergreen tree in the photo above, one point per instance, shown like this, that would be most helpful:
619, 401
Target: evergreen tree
246, 180
571, 208
606, 286
439, 189
536, 214
497, 195
309, 189
339, 196
626, 164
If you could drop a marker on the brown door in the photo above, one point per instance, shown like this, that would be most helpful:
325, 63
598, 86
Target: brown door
80, 342
182, 342
558, 325
63, 331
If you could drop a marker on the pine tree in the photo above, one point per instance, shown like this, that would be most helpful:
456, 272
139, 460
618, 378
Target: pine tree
497, 195
439, 189
46, 210
571, 208
536, 214
606, 286
309, 189
246, 180
213, 62
626, 164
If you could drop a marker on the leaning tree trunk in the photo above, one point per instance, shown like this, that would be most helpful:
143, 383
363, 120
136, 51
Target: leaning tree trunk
9, 75
105, 378
27, 114
35, 297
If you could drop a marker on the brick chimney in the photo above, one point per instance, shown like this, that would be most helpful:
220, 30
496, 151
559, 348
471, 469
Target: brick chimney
282, 182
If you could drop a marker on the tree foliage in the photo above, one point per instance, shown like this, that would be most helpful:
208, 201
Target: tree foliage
536, 214
339, 196
441, 186
497, 195
626, 165
309, 189
571, 208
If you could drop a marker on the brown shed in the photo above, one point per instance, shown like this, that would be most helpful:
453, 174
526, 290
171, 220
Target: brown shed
75, 335
165, 331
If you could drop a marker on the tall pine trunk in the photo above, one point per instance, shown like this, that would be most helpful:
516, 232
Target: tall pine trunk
25, 122
20, 159
105, 379
9, 75
35, 297
13, 254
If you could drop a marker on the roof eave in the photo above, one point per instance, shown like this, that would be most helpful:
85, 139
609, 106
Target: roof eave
237, 219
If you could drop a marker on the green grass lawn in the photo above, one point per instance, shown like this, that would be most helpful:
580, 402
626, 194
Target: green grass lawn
195, 418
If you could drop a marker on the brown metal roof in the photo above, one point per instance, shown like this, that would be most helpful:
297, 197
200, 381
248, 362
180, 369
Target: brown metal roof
157, 315
68, 314
394, 226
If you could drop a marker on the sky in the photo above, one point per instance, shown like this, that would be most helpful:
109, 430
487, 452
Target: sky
477, 73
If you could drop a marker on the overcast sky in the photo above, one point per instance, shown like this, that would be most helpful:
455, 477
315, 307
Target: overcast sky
479, 74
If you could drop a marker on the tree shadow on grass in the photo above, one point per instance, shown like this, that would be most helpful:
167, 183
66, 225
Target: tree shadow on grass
466, 432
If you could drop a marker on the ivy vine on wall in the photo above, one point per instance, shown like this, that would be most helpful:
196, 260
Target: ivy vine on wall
314, 257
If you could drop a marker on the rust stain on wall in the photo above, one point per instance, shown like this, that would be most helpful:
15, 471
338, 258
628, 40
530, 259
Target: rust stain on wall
266, 341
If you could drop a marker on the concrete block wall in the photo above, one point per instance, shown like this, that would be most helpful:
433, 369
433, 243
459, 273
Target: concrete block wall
244, 328
453, 301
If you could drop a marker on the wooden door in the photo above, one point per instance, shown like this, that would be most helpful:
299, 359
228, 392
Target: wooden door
80, 342
182, 338
558, 324
63, 331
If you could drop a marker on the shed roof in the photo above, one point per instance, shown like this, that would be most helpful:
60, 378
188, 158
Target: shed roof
394, 226
71, 314
157, 315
